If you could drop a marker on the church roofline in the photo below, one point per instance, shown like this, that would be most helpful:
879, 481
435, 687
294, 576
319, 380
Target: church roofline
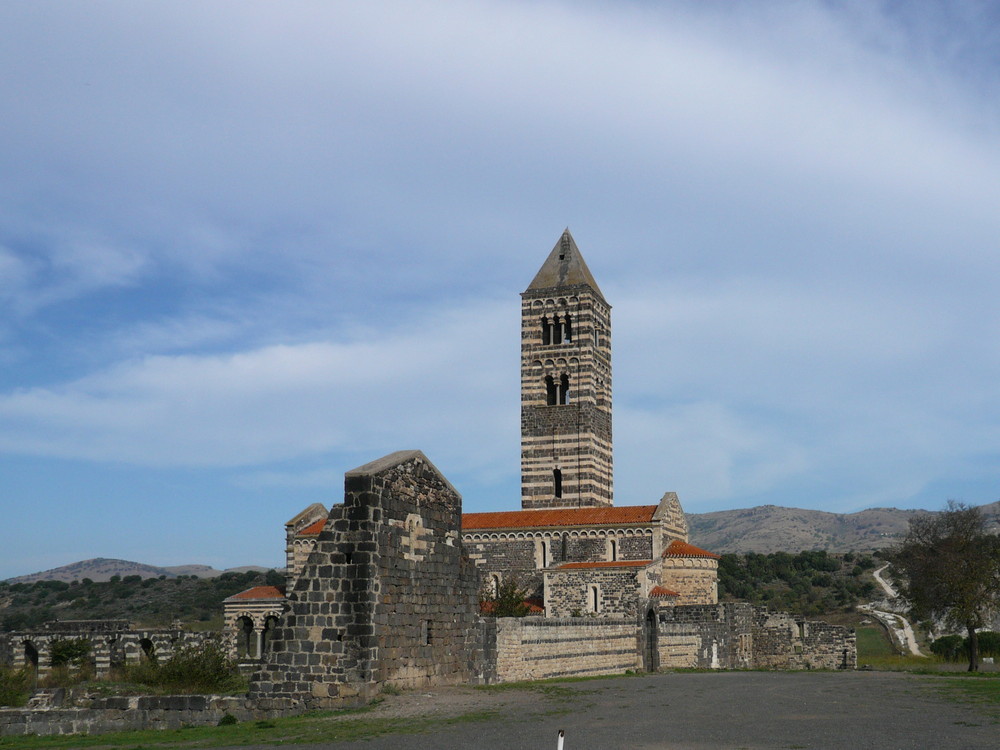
542, 518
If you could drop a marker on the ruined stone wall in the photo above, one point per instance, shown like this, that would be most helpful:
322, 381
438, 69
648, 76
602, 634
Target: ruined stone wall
707, 637
120, 714
737, 635
782, 641
385, 597
694, 578
531, 648
110, 647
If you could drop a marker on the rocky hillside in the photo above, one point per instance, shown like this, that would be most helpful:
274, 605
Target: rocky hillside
100, 569
770, 528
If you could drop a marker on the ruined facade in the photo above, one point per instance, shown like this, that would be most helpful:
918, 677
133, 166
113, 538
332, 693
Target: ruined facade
113, 644
385, 596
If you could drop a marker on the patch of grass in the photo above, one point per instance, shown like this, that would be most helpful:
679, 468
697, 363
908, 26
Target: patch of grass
873, 642
977, 688
340, 726
901, 663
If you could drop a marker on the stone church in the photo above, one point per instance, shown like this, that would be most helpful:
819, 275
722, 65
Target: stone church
569, 545
386, 587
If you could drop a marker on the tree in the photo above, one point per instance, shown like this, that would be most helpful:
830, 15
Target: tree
505, 599
948, 566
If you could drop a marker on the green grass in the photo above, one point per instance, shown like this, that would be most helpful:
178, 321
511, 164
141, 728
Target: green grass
981, 690
340, 726
873, 643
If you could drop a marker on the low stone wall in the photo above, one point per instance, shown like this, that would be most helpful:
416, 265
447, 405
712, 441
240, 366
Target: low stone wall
534, 648
129, 713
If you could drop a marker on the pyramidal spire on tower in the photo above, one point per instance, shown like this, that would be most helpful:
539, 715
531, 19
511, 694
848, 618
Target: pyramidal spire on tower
565, 267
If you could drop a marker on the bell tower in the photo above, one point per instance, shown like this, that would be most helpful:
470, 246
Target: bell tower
566, 459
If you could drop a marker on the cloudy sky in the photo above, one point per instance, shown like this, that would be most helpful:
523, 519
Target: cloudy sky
247, 246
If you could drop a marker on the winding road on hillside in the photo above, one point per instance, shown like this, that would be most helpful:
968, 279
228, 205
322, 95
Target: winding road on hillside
899, 625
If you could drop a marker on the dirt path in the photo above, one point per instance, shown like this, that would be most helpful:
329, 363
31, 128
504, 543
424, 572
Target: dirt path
899, 625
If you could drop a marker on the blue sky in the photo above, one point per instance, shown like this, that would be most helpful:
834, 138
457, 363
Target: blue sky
247, 246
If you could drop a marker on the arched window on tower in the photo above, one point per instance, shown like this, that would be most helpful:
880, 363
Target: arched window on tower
551, 397
557, 482
557, 330
567, 331
546, 331
564, 389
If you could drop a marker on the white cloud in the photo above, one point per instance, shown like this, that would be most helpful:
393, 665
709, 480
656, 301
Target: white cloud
400, 389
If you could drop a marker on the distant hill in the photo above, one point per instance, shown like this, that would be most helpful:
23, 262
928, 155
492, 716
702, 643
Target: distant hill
100, 569
765, 528
771, 528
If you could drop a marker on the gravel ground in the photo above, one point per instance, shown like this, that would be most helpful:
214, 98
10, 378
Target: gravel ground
698, 711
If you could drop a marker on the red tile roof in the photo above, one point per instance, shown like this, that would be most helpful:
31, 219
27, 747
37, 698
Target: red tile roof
259, 592
313, 529
534, 607
606, 564
547, 517
678, 548
658, 592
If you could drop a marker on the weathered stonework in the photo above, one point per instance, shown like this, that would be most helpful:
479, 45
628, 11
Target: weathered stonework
695, 579
113, 644
386, 596
606, 590
529, 648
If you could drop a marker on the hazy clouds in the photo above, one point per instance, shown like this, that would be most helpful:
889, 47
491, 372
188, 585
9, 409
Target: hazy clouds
267, 243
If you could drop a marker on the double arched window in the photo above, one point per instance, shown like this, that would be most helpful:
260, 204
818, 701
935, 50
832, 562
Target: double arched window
557, 330
556, 391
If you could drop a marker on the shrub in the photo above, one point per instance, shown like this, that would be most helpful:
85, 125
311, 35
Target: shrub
205, 668
989, 643
70, 652
950, 648
15, 686
506, 601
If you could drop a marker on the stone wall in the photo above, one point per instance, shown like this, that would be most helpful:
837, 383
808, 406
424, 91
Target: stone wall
707, 637
386, 597
520, 553
513, 556
782, 641
696, 579
737, 635
129, 713
532, 648
618, 591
